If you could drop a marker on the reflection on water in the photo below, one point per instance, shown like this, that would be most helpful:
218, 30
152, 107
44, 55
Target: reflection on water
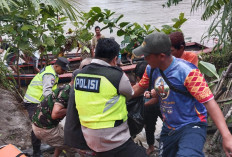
152, 12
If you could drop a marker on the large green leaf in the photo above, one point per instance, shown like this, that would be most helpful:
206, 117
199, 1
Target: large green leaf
208, 69
123, 24
96, 9
67, 7
26, 27
120, 32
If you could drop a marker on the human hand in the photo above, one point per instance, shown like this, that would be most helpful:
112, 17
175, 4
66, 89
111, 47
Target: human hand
153, 93
227, 145
147, 95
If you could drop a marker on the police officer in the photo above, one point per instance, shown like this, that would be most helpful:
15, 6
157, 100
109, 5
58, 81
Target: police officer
40, 87
101, 90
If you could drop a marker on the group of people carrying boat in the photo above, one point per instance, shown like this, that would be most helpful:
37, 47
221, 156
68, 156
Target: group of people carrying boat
94, 103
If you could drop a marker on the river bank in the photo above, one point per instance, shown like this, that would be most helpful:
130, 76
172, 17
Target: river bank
16, 127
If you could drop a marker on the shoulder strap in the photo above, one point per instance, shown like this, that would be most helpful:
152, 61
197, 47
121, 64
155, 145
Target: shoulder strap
172, 87
150, 79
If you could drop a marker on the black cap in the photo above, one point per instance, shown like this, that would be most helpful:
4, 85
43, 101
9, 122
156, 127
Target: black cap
156, 43
63, 62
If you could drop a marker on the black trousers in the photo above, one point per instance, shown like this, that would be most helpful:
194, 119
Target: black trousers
31, 107
151, 114
128, 149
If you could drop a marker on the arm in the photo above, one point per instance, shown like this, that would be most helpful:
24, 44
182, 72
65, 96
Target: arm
58, 111
92, 47
218, 118
48, 83
141, 87
152, 101
138, 90
125, 87
205, 96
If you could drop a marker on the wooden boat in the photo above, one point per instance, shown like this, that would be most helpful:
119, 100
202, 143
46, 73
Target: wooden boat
25, 79
29, 69
197, 48
128, 68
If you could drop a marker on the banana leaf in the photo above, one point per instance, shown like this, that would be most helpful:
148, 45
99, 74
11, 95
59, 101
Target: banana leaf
208, 69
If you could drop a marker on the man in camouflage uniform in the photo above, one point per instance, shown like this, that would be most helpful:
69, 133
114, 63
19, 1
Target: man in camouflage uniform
47, 116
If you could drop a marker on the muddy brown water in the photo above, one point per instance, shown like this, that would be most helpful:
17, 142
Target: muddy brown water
152, 12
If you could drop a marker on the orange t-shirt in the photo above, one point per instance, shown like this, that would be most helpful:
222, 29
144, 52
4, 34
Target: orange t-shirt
190, 57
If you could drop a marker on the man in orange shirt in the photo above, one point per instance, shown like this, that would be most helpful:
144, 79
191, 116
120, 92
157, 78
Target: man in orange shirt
178, 46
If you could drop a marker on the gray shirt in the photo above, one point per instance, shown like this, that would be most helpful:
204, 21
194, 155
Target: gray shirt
101, 140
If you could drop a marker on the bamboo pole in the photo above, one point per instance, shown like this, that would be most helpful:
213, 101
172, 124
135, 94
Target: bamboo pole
229, 112
222, 79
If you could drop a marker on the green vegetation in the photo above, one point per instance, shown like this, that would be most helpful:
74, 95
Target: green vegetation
31, 25
220, 60
221, 12
4, 81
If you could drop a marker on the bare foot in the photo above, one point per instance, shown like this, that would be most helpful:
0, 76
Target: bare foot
150, 150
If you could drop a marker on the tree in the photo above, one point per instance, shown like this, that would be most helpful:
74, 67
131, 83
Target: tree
30, 24
63, 5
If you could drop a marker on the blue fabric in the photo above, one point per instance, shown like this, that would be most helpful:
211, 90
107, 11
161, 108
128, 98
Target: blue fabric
177, 109
185, 142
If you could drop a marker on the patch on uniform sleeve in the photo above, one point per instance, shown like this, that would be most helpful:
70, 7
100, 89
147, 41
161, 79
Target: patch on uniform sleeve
89, 84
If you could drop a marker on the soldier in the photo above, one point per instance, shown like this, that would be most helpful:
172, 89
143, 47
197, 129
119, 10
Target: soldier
48, 114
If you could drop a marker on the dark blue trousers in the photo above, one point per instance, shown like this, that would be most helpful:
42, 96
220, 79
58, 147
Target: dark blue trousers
184, 142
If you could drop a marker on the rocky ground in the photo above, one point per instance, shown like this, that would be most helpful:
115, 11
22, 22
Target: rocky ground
15, 127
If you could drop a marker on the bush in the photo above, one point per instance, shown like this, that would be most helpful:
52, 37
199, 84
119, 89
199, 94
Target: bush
219, 59
4, 74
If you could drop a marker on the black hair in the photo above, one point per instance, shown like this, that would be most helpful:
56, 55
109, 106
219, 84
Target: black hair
107, 49
140, 69
97, 27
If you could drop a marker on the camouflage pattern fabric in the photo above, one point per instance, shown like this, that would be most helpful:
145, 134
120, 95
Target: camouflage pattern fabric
42, 116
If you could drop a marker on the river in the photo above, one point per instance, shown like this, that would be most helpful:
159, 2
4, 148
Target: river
152, 12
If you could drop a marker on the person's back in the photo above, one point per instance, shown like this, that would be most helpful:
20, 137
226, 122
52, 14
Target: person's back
101, 91
73, 135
